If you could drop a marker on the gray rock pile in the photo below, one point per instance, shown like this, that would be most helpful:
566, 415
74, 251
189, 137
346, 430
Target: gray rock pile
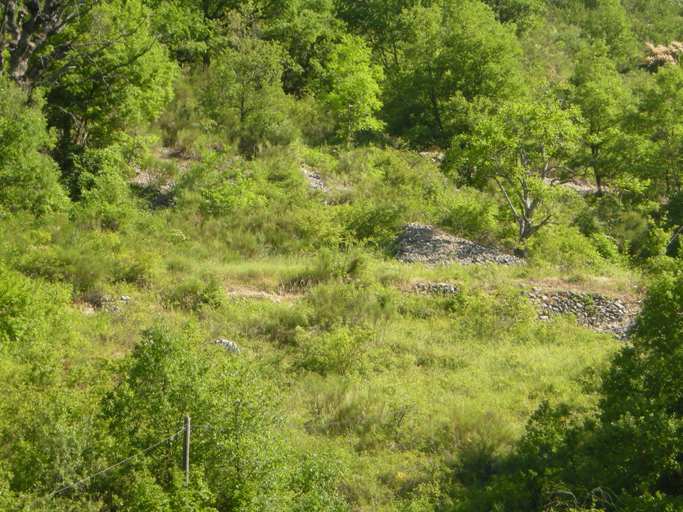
441, 289
436, 157
230, 346
592, 310
108, 303
428, 244
315, 180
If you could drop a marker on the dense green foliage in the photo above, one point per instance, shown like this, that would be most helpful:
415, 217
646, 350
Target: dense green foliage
176, 172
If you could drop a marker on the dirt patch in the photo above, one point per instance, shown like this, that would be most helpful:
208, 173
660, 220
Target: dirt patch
428, 244
262, 295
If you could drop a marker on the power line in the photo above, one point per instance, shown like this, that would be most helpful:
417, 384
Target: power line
210, 427
105, 470
322, 425
662, 251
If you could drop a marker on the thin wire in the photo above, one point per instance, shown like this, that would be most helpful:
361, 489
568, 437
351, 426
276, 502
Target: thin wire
108, 469
354, 421
211, 427
206, 427
662, 251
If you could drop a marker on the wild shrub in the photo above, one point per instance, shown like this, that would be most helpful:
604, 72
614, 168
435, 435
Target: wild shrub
564, 247
100, 184
184, 124
340, 406
221, 180
375, 224
472, 443
340, 350
471, 214
170, 374
282, 323
26, 308
194, 292
354, 304
331, 264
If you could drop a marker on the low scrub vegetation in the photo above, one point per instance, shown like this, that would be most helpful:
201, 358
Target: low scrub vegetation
201, 210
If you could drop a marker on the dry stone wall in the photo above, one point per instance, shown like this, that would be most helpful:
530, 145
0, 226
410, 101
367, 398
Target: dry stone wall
593, 310
611, 315
440, 289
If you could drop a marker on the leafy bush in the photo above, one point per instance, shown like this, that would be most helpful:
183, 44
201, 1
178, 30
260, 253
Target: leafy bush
168, 375
28, 177
340, 350
375, 224
352, 304
283, 322
192, 293
99, 182
471, 214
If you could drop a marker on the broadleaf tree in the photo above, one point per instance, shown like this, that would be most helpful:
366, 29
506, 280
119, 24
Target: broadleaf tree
354, 91
29, 179
521, 145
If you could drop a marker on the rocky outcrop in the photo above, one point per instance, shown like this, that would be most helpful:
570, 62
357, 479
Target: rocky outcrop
428, 244
610, 315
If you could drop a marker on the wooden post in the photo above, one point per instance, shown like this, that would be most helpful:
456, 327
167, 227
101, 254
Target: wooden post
186, 449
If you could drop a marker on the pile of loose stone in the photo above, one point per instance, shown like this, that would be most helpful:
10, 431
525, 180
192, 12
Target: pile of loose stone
108, 303
428, 244
436, 157
441, 289
314, 179
591, 309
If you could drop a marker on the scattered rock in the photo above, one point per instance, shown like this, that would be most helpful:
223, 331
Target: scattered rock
315, 179
230, 346
112, 304
435, 156
428, 244
592, 310
96, 301
441, 289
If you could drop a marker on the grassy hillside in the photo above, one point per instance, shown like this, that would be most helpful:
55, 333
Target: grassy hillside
384, 254
411, 399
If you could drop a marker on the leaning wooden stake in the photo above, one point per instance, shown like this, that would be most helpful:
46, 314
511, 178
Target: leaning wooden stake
186, 449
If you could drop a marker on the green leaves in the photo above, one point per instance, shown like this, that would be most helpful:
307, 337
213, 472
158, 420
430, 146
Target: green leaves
522, 146
244, 94
354, 90
124, 81
28, 178
453, 55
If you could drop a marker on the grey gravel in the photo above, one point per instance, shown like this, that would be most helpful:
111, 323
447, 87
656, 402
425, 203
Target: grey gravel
428, 244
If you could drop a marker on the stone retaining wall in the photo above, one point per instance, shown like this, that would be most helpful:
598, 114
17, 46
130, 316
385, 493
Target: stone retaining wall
591, 309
